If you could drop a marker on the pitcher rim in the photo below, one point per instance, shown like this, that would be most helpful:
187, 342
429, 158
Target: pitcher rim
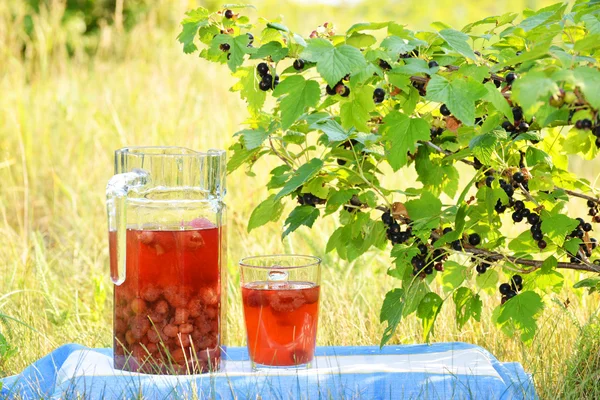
185, 151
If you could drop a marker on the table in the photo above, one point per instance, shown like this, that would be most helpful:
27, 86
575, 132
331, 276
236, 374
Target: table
437, 371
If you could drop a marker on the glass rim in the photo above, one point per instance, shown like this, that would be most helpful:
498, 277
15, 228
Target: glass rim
314, 260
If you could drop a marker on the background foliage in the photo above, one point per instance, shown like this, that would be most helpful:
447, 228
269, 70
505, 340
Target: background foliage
69, 98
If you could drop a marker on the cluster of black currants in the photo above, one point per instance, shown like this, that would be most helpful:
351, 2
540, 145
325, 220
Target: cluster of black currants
267, 81
309, 199
586, 124
510, 290
593, 210
518, 179
339, 88
394, 233
520, 125
579, 232
425, 262
378, 95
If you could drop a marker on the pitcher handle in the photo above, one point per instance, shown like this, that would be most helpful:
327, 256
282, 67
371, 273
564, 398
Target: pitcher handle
117, 190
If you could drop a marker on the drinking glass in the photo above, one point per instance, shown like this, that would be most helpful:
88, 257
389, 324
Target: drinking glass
280, 295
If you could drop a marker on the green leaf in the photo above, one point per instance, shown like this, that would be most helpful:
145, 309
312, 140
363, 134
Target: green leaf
532, 90
428, 310
277, 26
337, 198
468, 305
427, 207
301, 215
402, 133
488, 281
253, 138
391, 312
248, 88
454, 275
195, 20
238, 48
588, 79
354, 113
333, 63
495, 97
300, 94
397, 45
272, 49
318, 187
520, 313
556, 227
269, 210
302, 175
240, 156
332, 129
458, 41
483, 147
459, 95
361, 40
367, 26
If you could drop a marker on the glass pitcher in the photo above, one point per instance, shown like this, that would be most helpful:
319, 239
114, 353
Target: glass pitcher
166, 222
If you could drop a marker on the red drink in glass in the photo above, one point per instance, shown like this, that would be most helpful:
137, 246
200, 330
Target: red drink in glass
167, 311
281, 321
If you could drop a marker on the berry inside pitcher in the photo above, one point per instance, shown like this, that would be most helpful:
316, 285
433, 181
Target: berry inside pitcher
167, 311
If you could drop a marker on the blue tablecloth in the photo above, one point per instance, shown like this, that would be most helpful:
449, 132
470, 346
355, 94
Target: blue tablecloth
438, 371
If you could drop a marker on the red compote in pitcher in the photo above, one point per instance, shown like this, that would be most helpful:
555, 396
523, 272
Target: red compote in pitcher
166, 220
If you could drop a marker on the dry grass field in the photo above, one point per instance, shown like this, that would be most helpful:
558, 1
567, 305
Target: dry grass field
68, 100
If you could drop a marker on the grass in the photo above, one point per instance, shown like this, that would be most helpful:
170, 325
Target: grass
68, 101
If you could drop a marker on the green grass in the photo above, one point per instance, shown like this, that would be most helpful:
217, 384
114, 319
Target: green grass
61, 117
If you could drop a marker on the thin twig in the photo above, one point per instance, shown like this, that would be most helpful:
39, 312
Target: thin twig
278, 154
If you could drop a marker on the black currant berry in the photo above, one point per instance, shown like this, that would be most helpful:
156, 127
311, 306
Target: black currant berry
456, 245
537, 236
224, 47
428, 270
523, 127
264, 86
507, 126
499, 207
345, 92
262, 69
422, 248
517, 113
542, 244
587, 227
489, 180
497, 82
384, 65
533, 218
298, 64
594, 243
519, 205
228, 14
250, 39
330, 91
509, 190
268, 79
510, 78
517, 217
525, 212
510, 295
447, 230
439, 267
433, 64
593, 211
379, 93
519, 177
591, 203
387, 218
419, 263
444, 110
579, 124
579, 233
586, 124
481, 268
474, 239
504, 288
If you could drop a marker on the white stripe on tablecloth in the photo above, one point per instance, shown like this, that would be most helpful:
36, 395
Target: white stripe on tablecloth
469, 362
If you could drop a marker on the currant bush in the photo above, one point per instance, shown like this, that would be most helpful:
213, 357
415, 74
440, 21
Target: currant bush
510, 98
